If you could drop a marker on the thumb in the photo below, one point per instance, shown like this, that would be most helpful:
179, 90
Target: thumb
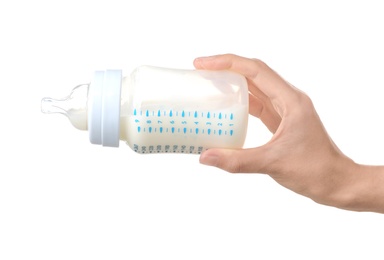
236, 160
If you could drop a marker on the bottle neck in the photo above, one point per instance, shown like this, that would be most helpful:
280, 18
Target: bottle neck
104, 108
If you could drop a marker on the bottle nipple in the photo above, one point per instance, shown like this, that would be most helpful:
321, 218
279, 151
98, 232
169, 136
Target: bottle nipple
74, 106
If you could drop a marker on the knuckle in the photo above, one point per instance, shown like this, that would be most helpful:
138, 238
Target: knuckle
303, 107
233, 165
258, 66
233, 168
302, 99
306, 102
259, 63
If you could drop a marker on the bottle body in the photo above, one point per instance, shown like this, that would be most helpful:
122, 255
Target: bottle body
159, 110
183, 111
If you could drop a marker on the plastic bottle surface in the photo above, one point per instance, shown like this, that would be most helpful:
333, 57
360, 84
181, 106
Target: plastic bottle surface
159, 110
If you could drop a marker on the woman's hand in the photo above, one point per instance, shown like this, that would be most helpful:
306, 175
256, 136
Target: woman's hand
301, 156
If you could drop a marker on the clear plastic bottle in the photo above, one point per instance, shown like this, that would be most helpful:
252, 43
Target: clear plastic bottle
159, 110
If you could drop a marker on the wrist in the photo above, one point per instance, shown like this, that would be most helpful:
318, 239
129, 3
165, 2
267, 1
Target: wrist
361, 187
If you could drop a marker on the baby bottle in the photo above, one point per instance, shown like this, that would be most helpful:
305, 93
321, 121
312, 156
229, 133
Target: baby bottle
159, 110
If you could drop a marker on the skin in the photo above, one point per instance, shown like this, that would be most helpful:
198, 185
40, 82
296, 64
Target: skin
300, 156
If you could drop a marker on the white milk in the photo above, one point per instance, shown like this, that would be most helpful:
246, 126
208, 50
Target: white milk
158, 110
185, 131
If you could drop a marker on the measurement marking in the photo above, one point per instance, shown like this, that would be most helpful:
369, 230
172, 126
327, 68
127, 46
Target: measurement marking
170, 113
231, 116
158, 113
138, 129
231, 132
195, 115
161, 130
219, 115
208, 115
183, 114
173, 130
197, 130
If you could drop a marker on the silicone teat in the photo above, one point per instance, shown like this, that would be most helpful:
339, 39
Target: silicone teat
73, 106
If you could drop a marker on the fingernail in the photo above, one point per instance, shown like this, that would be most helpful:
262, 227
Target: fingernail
205, 58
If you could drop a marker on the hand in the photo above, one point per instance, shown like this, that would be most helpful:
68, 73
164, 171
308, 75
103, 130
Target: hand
301, 156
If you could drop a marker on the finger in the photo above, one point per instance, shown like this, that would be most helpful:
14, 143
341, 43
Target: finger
256, 106
237, 161
265, 112
267, 80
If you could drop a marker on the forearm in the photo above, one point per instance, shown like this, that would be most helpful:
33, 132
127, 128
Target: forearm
363, 189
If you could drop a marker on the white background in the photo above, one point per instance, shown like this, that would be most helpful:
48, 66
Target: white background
63, 198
